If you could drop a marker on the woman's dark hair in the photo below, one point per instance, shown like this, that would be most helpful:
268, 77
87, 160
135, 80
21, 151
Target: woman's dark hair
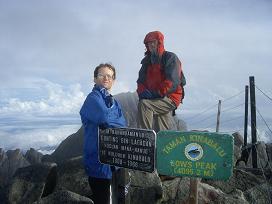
105, 65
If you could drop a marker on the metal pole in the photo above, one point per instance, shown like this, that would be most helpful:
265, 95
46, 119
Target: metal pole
246, 149
218, 116
253, 121
246, 116
193, 196
120, 181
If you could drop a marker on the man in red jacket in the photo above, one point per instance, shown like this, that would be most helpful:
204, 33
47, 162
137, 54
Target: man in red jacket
158, 84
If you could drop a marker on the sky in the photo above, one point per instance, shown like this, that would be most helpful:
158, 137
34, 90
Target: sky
48, 50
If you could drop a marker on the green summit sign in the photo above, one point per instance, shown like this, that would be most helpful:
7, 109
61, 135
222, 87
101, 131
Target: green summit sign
195, 154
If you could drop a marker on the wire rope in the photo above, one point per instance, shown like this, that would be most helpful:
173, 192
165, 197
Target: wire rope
215, 105
264, 93
232, 107
263, 120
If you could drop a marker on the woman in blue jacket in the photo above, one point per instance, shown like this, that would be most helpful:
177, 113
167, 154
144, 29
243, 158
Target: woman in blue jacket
99, 109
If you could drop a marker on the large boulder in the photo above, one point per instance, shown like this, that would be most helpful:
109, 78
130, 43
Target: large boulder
129, 103
238, 143
262, 157
64, 196
10, 161
240, 179
210, 194
269, 151
3, 170
32, 183
269, 154
171, 191
145, 188
238, 139
179, 124
178, 191
3, 156
71, 147
72, 177
260, 194
33, 156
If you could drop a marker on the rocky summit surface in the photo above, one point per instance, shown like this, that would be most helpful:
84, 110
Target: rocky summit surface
60, 177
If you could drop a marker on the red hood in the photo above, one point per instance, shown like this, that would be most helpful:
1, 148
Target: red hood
155, 35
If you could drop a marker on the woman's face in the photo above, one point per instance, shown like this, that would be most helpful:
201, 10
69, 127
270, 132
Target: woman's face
104, 78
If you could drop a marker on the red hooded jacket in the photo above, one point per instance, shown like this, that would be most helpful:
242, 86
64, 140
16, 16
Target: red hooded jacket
164, 76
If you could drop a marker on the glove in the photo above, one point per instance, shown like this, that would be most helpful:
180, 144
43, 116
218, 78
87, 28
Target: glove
155, 94
103, 126
146, 94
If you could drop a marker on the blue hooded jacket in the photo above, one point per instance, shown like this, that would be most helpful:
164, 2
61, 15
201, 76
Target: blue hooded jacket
99, 109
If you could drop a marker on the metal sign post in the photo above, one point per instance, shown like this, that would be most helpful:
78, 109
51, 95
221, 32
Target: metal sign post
129, 148
193, 196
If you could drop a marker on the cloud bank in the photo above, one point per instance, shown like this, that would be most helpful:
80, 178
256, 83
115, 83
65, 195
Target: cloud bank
58, 101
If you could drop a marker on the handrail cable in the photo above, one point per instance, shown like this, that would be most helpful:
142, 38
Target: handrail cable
203, 119
235, 118
233, 96
263, 93
205, 110
268, 135
202, 112
224, 121
232, 107
263, 120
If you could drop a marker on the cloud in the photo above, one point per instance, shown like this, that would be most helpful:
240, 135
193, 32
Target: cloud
39, 120
214, 39
36, 137
57, 101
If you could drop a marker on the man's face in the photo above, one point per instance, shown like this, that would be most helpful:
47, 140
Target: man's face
152, 46
104, 78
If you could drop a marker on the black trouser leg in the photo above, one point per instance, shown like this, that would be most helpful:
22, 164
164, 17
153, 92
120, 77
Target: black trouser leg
100, 189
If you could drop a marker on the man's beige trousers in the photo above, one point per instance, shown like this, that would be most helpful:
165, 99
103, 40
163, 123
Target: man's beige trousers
154, 114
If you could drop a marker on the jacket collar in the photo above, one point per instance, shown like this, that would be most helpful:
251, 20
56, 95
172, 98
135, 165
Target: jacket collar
102, 90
